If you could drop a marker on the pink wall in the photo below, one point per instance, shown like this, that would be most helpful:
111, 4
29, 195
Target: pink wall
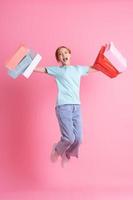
28, 125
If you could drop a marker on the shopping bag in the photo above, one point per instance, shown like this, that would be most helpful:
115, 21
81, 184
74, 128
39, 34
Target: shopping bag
115, 57
104, 65
26, 65
20, 68
27, 73
20, 53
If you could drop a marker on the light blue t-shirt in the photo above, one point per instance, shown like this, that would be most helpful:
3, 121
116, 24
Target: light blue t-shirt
68, 82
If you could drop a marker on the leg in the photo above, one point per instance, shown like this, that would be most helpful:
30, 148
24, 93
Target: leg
77, 130
64, 116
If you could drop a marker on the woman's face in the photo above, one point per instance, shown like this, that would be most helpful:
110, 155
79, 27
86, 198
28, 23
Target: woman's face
64, 56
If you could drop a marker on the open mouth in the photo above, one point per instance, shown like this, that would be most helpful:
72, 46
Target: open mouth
65, 59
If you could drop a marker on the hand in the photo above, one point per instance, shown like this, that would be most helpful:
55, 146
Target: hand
92, 69
106, 45
40, 69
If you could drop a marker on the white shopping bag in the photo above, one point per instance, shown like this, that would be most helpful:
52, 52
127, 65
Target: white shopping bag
32, 66
115, 57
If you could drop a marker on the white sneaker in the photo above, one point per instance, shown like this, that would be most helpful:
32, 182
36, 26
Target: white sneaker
64, 160
54, 155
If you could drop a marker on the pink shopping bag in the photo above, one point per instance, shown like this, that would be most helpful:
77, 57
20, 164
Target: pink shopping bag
115, 57
20, 53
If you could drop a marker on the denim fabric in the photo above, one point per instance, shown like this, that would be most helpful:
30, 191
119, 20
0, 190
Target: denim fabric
70, 123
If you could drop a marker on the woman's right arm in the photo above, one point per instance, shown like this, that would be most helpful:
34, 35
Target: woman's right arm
40, 69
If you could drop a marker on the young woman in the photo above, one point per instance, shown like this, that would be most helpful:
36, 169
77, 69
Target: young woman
68, 106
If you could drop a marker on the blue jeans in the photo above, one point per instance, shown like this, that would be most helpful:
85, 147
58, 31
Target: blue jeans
70, 123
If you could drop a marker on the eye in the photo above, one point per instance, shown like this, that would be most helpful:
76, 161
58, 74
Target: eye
65, 52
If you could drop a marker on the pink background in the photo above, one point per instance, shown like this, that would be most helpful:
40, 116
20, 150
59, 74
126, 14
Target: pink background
28, 124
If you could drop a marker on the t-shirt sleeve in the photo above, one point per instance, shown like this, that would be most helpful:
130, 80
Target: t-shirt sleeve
84, 70
53, 70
